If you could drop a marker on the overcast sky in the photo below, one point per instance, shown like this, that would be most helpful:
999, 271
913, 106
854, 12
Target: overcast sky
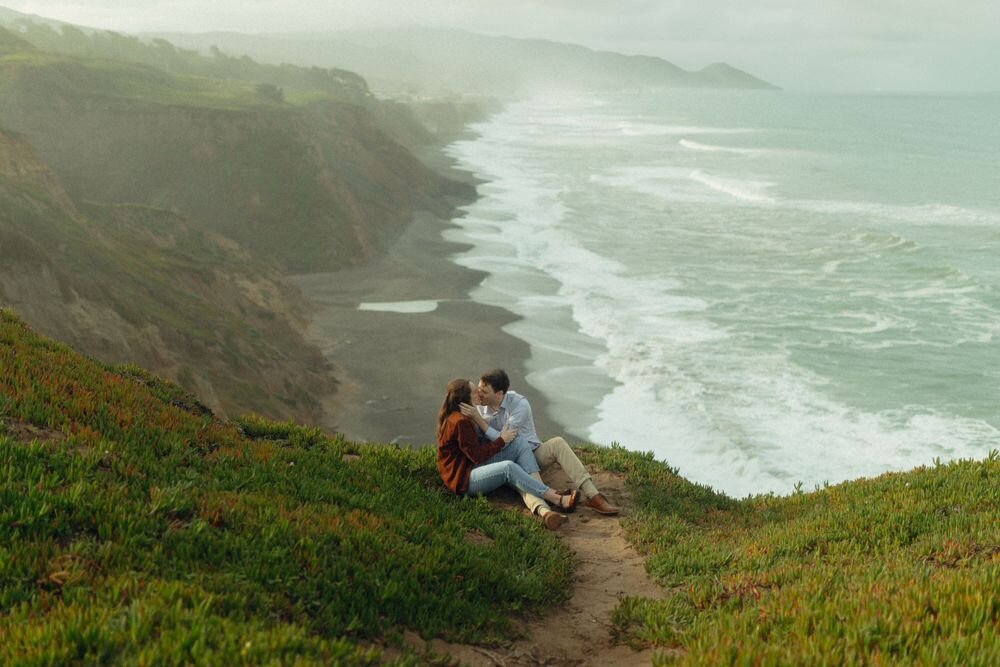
796, 44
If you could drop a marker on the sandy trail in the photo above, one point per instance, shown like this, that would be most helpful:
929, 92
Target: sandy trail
579, 633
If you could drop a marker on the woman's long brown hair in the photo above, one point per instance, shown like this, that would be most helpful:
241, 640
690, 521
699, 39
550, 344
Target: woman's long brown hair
458, 392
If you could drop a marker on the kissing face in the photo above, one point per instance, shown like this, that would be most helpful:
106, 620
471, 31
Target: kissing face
487, 396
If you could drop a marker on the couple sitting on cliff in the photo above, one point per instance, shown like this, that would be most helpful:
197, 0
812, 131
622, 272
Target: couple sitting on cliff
487, 438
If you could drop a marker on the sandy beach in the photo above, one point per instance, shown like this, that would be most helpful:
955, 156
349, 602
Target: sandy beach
393, 366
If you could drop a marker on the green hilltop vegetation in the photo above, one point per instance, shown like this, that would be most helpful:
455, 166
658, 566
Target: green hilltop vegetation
161, 54
900, 569
405, 123
140, 529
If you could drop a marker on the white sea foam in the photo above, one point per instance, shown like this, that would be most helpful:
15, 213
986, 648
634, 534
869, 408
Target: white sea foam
633, 129
749, 429
670, 184
832, 266
938, 291
859, 323
675, 184
751, 191
924, 214
709, 148
666, 183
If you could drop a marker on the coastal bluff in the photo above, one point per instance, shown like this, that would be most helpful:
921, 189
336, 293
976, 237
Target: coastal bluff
153, 217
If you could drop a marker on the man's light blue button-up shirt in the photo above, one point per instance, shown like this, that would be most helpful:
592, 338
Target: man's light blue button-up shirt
514, 411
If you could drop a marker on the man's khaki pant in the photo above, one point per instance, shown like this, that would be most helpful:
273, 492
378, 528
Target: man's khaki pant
557, 450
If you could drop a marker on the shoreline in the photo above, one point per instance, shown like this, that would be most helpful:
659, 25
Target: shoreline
392, 367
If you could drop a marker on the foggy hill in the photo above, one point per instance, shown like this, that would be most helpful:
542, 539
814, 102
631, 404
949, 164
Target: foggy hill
313, 185
149, 217
436, 61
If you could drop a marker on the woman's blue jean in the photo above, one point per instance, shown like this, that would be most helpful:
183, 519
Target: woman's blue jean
511, 465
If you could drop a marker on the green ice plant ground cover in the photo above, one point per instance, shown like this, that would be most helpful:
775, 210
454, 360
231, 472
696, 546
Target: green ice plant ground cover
137, 528
900, 569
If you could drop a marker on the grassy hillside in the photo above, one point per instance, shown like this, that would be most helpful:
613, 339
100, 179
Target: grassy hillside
901, 569
160, 54
136, 528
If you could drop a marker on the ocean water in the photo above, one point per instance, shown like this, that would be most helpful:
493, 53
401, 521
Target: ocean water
761, 288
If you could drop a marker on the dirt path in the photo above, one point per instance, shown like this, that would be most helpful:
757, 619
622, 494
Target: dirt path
580, 633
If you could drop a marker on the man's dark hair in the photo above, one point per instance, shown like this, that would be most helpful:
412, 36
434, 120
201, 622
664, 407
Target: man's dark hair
496, 378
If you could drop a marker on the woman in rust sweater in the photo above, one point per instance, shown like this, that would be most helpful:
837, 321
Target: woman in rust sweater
470, 466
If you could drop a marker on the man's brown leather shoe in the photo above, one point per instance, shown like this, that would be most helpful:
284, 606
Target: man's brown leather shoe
553, 520
601, 505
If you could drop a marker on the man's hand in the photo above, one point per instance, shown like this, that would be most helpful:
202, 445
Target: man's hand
508, 433
472, 412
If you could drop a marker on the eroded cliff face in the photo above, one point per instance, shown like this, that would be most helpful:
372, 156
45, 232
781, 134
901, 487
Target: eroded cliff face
136, 284
22, 171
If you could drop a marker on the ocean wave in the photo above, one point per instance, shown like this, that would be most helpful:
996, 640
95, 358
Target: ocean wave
921, 214
750, 191
705, 350
748, 426
708, 148
666, 183
860, 323
634, 129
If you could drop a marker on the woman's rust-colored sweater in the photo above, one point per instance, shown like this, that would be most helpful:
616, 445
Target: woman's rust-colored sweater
459, 451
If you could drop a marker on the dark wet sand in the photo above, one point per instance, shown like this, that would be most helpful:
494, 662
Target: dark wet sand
393, 367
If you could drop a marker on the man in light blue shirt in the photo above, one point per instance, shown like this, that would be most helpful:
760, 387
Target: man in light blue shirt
504, 407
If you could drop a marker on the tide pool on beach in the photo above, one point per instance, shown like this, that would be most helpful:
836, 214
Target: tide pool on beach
762, 288
419, 306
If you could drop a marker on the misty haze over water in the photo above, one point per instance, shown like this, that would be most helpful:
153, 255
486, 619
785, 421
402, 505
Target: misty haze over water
827, 45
